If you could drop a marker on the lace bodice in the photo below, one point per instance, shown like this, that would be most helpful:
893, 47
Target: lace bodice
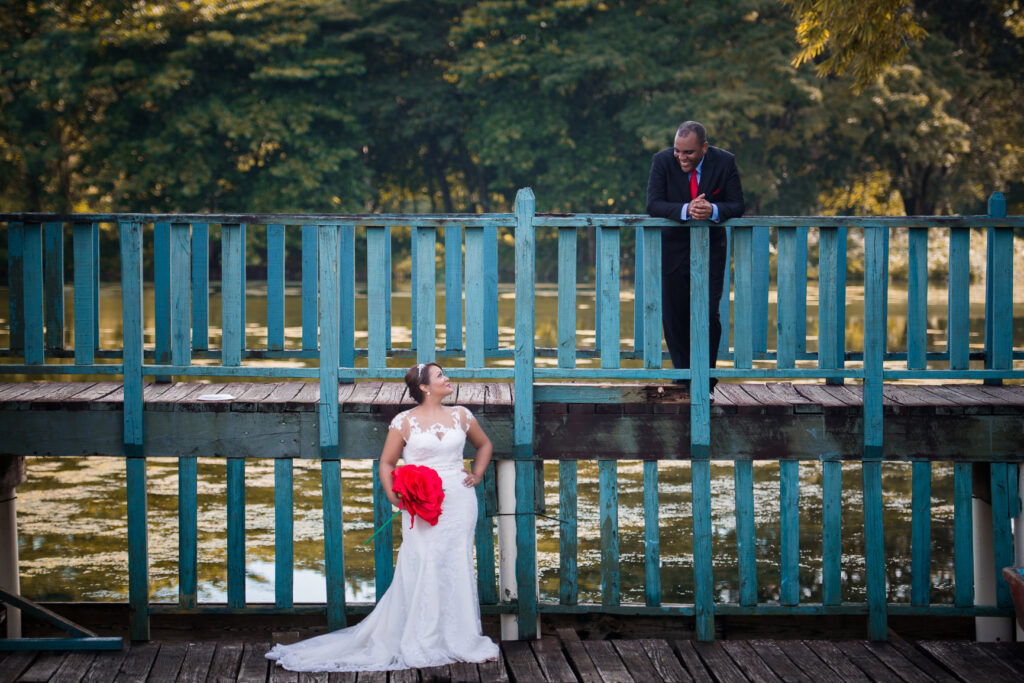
438, 445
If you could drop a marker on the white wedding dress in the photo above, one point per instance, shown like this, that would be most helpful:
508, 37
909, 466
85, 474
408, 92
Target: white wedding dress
430, 614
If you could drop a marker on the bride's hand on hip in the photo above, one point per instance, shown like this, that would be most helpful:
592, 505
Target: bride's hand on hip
471, 480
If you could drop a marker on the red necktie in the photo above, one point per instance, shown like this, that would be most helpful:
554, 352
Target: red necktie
693, 185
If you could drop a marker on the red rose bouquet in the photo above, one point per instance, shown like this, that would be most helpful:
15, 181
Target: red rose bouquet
419, 488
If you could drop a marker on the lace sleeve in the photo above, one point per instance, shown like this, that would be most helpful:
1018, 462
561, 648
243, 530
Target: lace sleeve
399, 423
465, 418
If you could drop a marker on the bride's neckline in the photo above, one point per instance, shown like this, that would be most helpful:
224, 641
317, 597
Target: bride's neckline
438, 429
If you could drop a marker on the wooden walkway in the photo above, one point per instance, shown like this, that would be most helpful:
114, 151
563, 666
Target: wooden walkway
279, 419
562, 658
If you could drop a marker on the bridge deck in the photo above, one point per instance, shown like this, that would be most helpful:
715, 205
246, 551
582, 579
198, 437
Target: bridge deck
933, 422
562, 658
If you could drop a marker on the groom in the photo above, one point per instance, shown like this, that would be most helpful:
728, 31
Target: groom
692, 181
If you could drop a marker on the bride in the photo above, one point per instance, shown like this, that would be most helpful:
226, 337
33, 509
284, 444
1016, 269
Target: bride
430, 615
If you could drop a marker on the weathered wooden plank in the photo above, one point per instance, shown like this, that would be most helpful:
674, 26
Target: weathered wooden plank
500, 397
779, 663
636, 660
433, 674
168, 662
958, 330
275, 287
73, 668
567, 538
789, 528
310, 259
84, 276
197, 662
567, 297
663, 659
552, 661
188, 533
787, 392
967, 661
224, 667
831, 531
279, 675
334, 557
581, 662
920, 660
787, 294
376, 320
254, 664
745, 542
607, 661
608, 309
493, 670
700, 471
16, 285
105, 666
475, 297
718, 662
487, 507
236, 531
963, 535
137, 663
180, 294
807, 662
284, 551
464, 672
53, 283
837, 660
917, 299
383, 542
691, 660
424, 289
44, 666
759, 279
743, 337
867, 662
232, 294
361, 398
347, 293
895, 660
400, 676
748, 660
521, 661
1010, 655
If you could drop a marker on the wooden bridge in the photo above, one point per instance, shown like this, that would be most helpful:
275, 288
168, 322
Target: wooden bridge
536, 403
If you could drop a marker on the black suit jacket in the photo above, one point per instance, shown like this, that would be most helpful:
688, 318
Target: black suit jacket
668, 188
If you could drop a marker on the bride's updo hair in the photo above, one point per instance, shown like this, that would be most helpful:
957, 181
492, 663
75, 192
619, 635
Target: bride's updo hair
417, 375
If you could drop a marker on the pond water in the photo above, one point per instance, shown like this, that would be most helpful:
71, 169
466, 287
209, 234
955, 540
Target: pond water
72, 510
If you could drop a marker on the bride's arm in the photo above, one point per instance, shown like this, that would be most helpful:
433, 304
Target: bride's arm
389, 456
476, 436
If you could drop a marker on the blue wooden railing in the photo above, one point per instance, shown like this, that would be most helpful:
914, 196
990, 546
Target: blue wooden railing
181, 244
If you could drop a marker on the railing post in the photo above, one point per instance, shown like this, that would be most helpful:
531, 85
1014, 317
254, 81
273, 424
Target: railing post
786, 277
999, 292
134, 453
840, 305
275, 287
700, 431
874, 345
424, 293
16, 285
453, 287
85, 267
200, 286
33, 293
760, 279
232, 294
162, 295
329, 240
522, 431
53, 282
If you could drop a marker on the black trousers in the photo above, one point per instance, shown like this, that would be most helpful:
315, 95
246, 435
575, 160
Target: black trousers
675, 308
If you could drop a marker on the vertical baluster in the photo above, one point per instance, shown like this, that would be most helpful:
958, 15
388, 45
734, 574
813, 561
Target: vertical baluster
609, 508
414, 263
917, 299
760, 278
387, 287
874, 349
487, 507
425, 293
181, 323
652, 298
188, 537
920, 533
475, 297
831, 530
743, 337
236, 532
999, 302
568, 584
329, 239
840, 304
135, 462
200, 286
652, 537
789, 509
608, 259
53, 282
309, 287
523, 427
801, 289
347, 294
33, 292
786, 318
597, 288
275, 287
284, 550
491, 287
162, 295
746, 545
963, 535
16, 285
453, 287
233, 331
958, 330
724, 304
638, 288
96, 285
700, 433
828, 282
376, 319
567, 298
1002, 535
383, 543
85, 343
